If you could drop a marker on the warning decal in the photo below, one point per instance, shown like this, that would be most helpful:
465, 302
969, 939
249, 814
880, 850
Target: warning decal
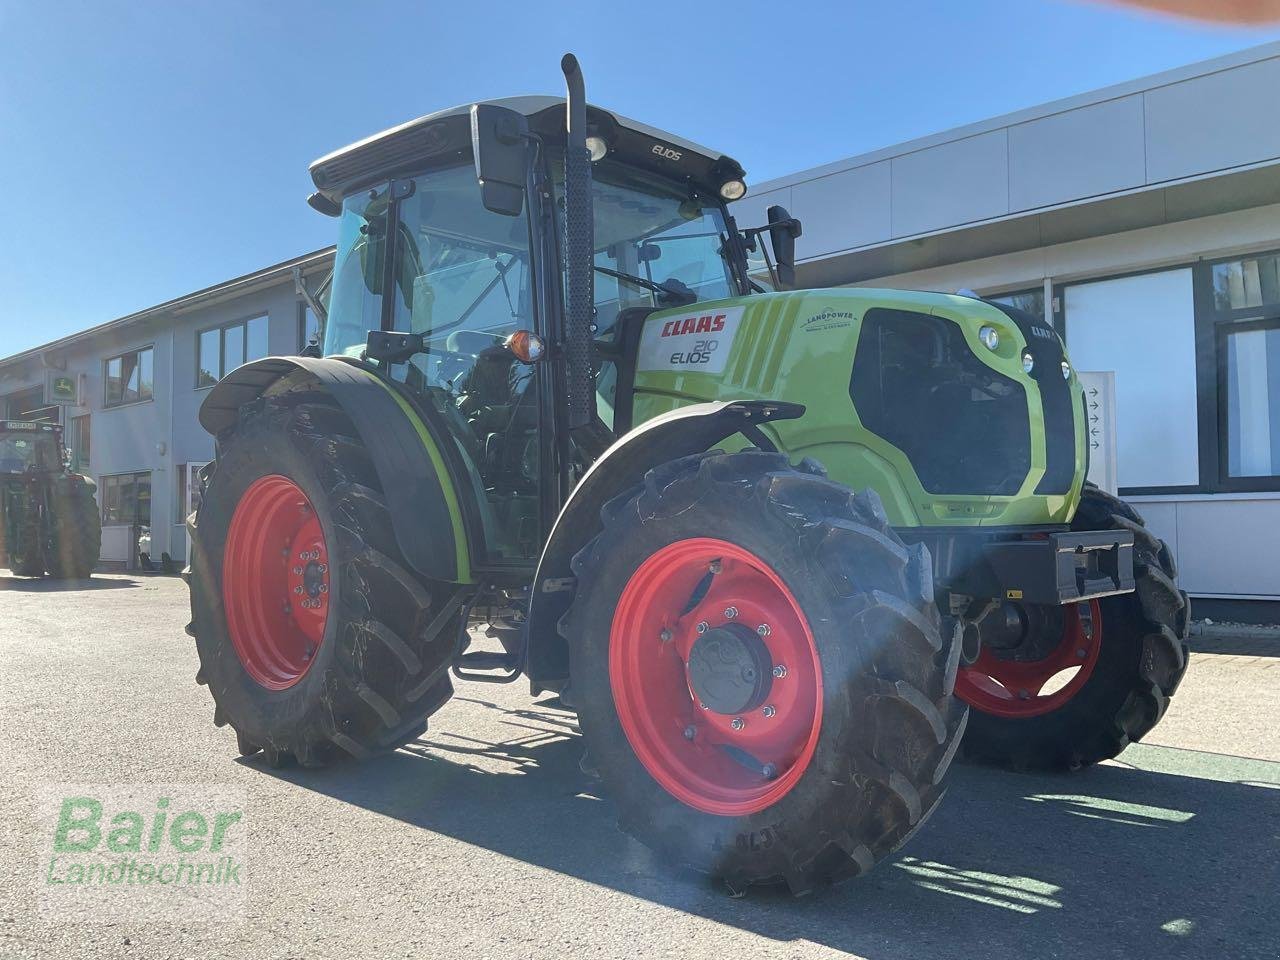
698, 341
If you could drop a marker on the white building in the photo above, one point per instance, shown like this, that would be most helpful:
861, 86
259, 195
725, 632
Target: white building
1142, 219
139, 382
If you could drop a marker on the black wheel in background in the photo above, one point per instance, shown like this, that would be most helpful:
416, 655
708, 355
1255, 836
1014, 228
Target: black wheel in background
1132, 654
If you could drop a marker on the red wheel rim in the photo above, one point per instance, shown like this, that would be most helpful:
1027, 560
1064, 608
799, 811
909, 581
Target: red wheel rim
1012, 688
275, 582
704, 758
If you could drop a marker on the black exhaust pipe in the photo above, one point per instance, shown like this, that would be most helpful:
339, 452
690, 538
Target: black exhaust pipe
579, 247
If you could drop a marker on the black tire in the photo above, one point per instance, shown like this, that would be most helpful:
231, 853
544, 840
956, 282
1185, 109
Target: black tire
77, 530
382, 666
26, 555
890, 725
1142, 659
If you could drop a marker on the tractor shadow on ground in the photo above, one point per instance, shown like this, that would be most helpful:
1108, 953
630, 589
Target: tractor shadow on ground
49, 585
1111, 862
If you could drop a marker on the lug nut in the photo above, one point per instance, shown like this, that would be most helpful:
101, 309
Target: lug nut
779, 671
770, 771
324, 588
737, 723
1081, 653
714, 566
690, 732
763, 630
702, 626
323, 568
297, 571
769, 711
297, 589
665, 635
703, 705
730, 612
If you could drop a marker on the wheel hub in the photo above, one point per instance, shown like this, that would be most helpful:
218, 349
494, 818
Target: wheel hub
730, 670
275, 582
715, 676
1043, 672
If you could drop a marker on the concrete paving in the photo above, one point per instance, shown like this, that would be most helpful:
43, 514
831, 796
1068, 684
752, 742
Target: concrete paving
484, 839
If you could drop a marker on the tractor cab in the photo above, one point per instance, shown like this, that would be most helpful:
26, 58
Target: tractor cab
29, 448
452, 230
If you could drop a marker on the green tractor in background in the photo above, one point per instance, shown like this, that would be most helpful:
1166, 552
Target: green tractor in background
775, 547
48, 516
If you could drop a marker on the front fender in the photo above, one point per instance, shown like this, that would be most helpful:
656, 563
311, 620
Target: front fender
680, 433
407, 449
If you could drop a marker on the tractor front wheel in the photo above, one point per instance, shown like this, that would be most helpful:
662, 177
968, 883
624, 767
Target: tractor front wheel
758, 673
314, 638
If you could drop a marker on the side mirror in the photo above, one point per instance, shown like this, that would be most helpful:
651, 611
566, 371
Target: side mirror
783, 231
499, 141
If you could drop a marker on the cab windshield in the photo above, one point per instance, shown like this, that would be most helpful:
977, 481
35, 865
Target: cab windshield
655, 233
20, 452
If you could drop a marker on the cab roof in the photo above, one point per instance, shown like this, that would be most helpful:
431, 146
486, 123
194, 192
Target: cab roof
444, 138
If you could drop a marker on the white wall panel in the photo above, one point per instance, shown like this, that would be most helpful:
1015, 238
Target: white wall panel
952, 183
1078, 153
842, 211
1220, 120
1227, 547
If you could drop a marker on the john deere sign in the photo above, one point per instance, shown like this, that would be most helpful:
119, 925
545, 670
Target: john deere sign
61, 388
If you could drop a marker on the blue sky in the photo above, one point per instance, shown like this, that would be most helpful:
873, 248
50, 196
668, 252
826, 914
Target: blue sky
149, 149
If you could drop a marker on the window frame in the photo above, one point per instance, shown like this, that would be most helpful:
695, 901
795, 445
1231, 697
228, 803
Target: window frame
303, 309
106, 378
221, 329
104, 485
1222, 329
1211, 327
76, 447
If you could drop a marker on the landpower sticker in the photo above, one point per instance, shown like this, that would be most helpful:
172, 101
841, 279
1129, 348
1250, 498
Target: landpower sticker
698, 341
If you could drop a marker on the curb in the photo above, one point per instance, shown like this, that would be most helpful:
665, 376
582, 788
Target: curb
1236, 631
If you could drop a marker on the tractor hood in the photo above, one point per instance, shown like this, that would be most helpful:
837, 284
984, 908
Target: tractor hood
925, 397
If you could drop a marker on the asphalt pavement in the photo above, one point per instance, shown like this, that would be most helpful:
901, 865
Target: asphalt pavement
484, 839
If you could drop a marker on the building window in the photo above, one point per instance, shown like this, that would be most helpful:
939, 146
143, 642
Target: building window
1251, 352
222, 349
80, 437
308, 327
126, 499
129, 377
1029, 301
1246, 283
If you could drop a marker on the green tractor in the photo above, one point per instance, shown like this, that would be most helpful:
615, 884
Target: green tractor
48, 515
775, 547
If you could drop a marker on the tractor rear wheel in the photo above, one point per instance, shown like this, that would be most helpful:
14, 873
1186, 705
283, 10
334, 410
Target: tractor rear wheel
758, 673
77, 531
314, 638
1117, 661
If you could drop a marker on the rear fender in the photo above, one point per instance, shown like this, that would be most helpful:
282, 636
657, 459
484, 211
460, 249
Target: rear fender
407, 447
680, 433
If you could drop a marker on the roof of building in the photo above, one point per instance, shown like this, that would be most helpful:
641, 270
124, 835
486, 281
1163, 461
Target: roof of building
1180, 144
258, 279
